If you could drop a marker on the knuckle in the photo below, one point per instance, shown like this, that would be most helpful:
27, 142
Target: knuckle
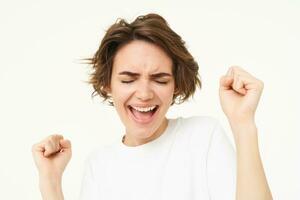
48, 143
49, 149
52, 137
51, 144
236, 67
57, 136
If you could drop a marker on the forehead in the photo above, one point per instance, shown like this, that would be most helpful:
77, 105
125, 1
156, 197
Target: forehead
142, 57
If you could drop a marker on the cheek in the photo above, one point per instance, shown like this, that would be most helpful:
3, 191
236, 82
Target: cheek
120, 96
122, 93
166, 95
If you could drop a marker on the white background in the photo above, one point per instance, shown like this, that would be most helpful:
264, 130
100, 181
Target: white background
43, 91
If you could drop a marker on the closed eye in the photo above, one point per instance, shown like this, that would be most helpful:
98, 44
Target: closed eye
127, 81
159, 82
162, 82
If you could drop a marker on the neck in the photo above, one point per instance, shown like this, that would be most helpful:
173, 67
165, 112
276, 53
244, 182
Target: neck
128, 140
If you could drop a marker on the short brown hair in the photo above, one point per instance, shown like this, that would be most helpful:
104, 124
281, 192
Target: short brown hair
152, 28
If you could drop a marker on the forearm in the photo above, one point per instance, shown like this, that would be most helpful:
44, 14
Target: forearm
51, 188
251, 179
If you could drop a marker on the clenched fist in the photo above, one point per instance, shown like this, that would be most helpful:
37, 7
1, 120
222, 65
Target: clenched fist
52, 155
239, 93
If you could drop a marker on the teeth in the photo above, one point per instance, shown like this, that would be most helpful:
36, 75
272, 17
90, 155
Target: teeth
147, 109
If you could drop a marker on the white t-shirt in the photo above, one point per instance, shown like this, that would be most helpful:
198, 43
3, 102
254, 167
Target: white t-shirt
193, 159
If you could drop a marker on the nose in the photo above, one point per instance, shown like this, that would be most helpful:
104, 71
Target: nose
144, 91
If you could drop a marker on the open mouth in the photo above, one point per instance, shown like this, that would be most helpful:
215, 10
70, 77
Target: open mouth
143, 115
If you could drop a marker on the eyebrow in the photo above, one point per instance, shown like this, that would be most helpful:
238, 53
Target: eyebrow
156, 75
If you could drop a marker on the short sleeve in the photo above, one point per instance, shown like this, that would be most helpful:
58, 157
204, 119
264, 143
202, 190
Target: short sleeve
89, 188
221, 166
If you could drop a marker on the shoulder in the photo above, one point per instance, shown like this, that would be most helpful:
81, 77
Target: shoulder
203, 125
199, 130
202, 121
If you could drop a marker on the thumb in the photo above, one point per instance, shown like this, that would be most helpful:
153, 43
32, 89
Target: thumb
226, 82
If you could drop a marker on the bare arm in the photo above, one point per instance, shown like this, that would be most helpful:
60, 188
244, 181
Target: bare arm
51, 156
50, 188
239, 96
251, 179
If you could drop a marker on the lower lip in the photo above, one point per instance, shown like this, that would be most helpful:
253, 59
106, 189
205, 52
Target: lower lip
143, 121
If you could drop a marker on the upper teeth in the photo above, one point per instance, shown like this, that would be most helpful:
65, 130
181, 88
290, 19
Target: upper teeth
147, 109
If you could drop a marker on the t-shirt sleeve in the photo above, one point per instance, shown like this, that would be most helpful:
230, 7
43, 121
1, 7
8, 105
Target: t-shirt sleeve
221, 166
89, 188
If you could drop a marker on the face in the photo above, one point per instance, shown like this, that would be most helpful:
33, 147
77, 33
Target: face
142, 88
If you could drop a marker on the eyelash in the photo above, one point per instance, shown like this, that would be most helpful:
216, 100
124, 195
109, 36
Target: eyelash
159, 82
126, 81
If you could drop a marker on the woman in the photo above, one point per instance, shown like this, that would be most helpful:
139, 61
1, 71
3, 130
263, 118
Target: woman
142, 68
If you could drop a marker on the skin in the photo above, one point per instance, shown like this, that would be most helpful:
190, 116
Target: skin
143, 89
239, 96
